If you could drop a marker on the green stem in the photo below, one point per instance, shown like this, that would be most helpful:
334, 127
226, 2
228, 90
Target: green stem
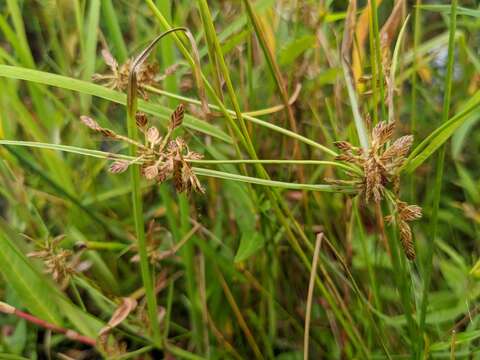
272, 183
138, 209
413, 100
247, 117
378, 58
427, 275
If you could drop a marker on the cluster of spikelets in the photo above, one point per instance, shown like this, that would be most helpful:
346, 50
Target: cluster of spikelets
161, 158
147, 74
380, 166
58, 261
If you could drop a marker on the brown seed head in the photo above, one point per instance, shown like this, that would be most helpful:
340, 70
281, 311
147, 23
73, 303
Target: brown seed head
176, 118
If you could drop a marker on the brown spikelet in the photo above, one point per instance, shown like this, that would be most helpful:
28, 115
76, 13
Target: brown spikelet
151, 172
399, 149
92, 124
406, 239
343, 145
382, 132
177, 175
118, 166
380, 175
408, 212
192, 155
165, 170
396, 185
345, 157
141, 120
176, 118
109, 59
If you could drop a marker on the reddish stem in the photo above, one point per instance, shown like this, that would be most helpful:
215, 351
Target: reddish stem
71, 334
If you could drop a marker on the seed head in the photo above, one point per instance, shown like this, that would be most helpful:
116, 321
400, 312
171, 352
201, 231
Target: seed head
176, 118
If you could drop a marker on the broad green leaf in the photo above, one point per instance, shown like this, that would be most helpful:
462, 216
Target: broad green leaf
84, 87
461, 136
468, 183
446, 9
460, 338
250, 243
475, 271
31, 286
440, 135
39, 295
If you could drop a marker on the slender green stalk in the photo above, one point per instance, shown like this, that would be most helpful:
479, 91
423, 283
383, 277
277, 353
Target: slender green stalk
417, 29
113, 27
276, 162
373, 65
274, 68
271, 183
417, 34
202, 171
89, 54
138, 208
378, 57
248, 117
437, 190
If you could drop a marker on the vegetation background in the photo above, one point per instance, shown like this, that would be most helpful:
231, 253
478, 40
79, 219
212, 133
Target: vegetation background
273, 261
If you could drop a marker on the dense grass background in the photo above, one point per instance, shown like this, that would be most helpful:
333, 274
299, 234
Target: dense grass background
237, 288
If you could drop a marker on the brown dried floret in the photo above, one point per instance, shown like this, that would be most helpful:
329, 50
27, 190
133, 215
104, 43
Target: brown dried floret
404, 214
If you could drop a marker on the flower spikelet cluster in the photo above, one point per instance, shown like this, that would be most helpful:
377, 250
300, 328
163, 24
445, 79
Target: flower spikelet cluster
57, 260
117, 78
380, 166
160, 157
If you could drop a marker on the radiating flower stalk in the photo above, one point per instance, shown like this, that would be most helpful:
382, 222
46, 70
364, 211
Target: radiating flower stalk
380, 176
161, 158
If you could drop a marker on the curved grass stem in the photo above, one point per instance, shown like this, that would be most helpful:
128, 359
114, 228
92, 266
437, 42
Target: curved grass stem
247, 116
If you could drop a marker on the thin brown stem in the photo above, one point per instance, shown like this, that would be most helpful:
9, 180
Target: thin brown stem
239, 316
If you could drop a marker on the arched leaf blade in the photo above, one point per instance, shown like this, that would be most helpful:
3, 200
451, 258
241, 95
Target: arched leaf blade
84, 87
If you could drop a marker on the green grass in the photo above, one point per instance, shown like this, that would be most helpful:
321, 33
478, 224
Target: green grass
247, 279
